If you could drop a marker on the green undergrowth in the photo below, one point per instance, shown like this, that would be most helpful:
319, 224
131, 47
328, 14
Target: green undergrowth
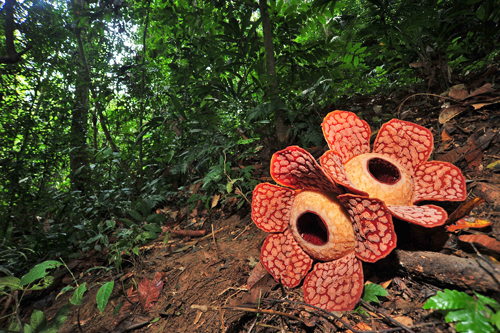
470, 313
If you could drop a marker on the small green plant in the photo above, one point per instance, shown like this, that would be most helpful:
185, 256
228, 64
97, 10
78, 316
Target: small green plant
371, 294
476, 313
38, 278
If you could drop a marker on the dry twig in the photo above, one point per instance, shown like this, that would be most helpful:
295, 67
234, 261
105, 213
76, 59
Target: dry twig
392, 320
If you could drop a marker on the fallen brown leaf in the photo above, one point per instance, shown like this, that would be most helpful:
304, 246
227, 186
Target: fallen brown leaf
450, 112
126, 309
149, 291
486, 241
403, 320
464, 209
257, 273
445, 136
458, 94
361, 326
481, 90
215, 200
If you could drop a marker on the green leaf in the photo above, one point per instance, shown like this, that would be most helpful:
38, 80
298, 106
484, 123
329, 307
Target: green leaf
58, 320
43, 283
135, 214
103, 295
37, 320
483, 300
128, 222
467, 312
469, 320
118, 308
449, 300
76, 299
65, 290
27, 329
38, 272
166, 238
10, 282
495, 320
371, 291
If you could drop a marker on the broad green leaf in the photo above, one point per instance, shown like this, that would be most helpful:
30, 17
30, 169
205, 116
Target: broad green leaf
118, 308
449, 300
153, 226
76, 299
495, 320
43, 283
37, 320
483, 300
468, 313
38, 272
135, 214
28, 329
58, 320
128, 222
10, 282
65, 290
371, 291
469, 320
103, 295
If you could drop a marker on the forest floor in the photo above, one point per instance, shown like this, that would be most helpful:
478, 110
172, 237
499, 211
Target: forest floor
205, 277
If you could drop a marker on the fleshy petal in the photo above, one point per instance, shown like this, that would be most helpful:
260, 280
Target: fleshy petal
410, 143
373, 227
346, 134
333, 166
439, 181
284, 259
428, 216
335, 285
271, 206
296, 168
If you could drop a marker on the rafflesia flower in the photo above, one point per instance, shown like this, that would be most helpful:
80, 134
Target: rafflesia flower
309, 222
396, 171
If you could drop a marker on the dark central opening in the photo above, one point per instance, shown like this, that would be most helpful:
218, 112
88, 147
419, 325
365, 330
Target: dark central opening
383, 171
312, 228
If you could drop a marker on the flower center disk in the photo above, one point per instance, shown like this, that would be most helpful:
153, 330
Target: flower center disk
384, 171
321, 225
382, 177
312, 228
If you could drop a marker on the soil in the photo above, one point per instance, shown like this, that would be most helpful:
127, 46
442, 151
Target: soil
205, 277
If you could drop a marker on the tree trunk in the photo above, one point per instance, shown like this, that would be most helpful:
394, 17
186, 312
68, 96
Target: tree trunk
12, 55
143, 88
79, 159
281, 131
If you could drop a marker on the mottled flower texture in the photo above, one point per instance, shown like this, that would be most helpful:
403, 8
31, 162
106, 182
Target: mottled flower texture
310, 220
396, 171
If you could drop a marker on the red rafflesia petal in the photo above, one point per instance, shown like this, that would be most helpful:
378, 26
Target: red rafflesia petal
439, 181
284, 259
428, 216
335, 285
271, 207
346, 134
373, 227
333, 166
410, 143
296, 168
